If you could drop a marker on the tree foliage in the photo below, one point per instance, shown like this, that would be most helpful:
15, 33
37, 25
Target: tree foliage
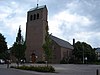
3, 47
89, 52
18, 49
47, 46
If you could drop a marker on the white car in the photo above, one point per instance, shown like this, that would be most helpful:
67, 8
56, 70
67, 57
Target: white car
2, 61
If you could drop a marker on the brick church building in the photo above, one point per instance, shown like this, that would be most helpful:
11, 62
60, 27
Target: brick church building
37, 20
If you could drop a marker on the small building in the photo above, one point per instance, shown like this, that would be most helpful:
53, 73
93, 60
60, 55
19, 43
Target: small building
97, 51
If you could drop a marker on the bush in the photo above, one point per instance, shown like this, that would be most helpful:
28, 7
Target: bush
41, 62
23, 67
64, 61
37, 68
12, 67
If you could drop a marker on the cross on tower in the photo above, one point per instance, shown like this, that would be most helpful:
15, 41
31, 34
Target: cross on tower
37, 3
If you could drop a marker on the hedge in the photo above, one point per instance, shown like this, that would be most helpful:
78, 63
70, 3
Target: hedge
36, 68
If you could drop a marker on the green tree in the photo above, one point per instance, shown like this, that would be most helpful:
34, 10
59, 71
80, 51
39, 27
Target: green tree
18, 49
47, 46
3, 48
82, 49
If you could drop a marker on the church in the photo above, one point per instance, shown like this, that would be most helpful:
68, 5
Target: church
37, 21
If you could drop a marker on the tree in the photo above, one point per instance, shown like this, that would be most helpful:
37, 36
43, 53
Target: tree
3, 48
47, 46
84, 50
18, 49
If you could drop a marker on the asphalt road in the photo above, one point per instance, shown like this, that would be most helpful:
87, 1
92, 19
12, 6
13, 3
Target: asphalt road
5, 71
61, 69
72, 69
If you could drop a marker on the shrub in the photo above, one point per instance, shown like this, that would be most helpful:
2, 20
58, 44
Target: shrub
45, 69
23, 67
12, 67
37, 68
41, 62
64, 61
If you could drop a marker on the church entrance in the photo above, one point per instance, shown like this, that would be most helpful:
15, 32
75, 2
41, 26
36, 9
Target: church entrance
33, 57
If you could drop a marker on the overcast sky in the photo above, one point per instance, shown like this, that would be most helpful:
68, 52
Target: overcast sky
67, 19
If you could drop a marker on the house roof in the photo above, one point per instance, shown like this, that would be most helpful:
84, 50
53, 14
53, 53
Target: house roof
97, 50
61, 42
38, 7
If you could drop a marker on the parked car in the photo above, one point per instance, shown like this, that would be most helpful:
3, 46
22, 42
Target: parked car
22, 61
2, 61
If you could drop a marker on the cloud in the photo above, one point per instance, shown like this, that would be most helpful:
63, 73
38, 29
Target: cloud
68, 19
12, 15
94, 39
66, 24
77, 22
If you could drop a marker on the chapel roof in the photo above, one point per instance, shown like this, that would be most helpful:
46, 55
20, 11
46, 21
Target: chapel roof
61, 42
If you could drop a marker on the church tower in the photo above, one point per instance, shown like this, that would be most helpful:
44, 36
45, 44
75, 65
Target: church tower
35, 33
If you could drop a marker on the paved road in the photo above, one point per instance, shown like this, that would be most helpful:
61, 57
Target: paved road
77, 69
61, 69
5, 71
9, 71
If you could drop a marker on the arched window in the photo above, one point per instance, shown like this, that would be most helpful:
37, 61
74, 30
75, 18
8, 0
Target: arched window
37, 15
34, 16
31, 17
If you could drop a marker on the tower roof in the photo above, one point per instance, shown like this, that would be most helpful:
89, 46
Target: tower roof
38, 7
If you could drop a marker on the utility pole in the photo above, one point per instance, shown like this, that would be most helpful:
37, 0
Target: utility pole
83, 53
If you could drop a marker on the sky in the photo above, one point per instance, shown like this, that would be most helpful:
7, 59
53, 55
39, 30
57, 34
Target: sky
67, 19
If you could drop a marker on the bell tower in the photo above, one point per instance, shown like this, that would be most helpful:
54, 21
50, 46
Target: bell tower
35, 32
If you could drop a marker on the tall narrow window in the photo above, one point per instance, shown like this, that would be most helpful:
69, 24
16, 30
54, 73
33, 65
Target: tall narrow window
34, 16
37, 15
31, 17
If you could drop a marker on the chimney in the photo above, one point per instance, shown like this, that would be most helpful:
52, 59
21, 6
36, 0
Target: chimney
73, 42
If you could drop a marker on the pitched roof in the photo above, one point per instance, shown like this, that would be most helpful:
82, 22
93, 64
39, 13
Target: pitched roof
61, 42
39, 7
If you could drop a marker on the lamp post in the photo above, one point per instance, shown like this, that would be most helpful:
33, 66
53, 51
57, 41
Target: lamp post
83, 53
86, 60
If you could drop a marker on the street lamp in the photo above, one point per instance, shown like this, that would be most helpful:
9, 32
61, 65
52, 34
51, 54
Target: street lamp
83, 53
